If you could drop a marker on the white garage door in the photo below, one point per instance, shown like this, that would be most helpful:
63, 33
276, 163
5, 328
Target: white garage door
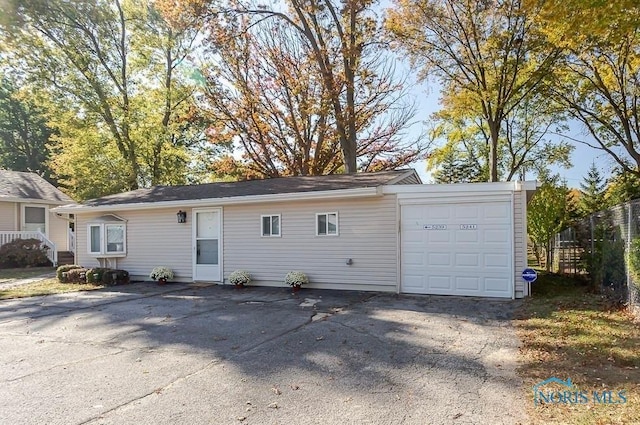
461, 248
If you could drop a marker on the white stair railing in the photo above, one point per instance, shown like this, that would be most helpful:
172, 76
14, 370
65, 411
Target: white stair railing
52, 252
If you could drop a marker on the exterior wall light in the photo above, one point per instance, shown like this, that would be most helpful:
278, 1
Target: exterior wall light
182, 216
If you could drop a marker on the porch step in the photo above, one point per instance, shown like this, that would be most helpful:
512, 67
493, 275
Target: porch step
66, 257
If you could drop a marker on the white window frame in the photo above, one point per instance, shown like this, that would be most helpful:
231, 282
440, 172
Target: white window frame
271, 234
104, 252
327, 214
23, 215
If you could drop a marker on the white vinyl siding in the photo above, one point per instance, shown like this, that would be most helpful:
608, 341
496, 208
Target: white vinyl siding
58, 231
368, 236
520, 241
327, 224
271, 225
8, 217
153, 238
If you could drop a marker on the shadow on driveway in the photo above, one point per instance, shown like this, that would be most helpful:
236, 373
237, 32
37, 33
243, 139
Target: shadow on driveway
183, 354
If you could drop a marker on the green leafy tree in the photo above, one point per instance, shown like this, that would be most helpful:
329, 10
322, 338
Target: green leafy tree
597, 78
622, 187
110, 71
24, 133
592, 192
547, 215
489, 56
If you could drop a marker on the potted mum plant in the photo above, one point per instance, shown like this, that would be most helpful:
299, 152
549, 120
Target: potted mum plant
239, 278
161, 274
296, 280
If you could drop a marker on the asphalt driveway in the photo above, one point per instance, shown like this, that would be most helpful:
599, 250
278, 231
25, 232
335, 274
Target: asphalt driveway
181, 354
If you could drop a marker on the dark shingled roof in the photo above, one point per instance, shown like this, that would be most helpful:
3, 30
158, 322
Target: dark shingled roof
21, 185
251, 187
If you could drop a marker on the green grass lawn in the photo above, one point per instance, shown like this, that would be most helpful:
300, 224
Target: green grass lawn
569, 332
7, 275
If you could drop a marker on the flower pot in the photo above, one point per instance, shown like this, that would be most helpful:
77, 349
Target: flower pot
296, 288
162, 281
239, 285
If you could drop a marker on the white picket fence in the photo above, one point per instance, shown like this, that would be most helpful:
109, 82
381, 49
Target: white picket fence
52, 252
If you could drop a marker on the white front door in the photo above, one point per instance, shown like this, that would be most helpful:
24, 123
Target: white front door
207, 246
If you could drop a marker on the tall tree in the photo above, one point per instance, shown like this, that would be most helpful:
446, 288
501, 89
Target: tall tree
24, 133
362, 103
592, 192
489, 56
110, 69
597, 80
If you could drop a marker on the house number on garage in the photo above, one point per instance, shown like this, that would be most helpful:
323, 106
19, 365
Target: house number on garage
468, 227
435, 227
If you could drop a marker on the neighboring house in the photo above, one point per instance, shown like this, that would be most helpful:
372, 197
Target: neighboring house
26, 200
380, 231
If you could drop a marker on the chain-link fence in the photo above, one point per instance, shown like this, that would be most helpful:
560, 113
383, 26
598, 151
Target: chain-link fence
602, 247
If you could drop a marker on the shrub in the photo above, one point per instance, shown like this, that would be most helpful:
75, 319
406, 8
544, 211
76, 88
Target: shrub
115, 277
633, 260
239, 277
63, 270
23, 253
75, 276
296, 279
96, 274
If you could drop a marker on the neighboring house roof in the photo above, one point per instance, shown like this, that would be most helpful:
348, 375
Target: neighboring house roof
252, 188
18, 186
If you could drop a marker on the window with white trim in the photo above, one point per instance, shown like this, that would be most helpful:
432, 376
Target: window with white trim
327, 224
107, 236
34, 218
270, 225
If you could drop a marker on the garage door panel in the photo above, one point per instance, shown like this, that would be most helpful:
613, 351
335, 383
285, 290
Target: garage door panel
413, 283
457, 249
496, 284
414, 259
435, 259
500, 236
470, 259
468, 283
439, 282
472, 212
437, 212
496, 261
438, 236
466, 236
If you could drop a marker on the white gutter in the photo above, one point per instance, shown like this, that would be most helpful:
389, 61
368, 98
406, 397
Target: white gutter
233, 200
459, 188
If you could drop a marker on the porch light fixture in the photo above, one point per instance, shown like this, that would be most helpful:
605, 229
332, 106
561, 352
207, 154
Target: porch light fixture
182, 216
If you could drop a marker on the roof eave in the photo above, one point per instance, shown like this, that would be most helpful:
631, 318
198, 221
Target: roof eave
404, 176
234, 200
33, 200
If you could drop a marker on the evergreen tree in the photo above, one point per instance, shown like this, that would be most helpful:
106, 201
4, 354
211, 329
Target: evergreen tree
592, 191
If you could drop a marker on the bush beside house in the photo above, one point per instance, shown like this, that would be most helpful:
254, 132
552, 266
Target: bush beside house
21, 253
99, 275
